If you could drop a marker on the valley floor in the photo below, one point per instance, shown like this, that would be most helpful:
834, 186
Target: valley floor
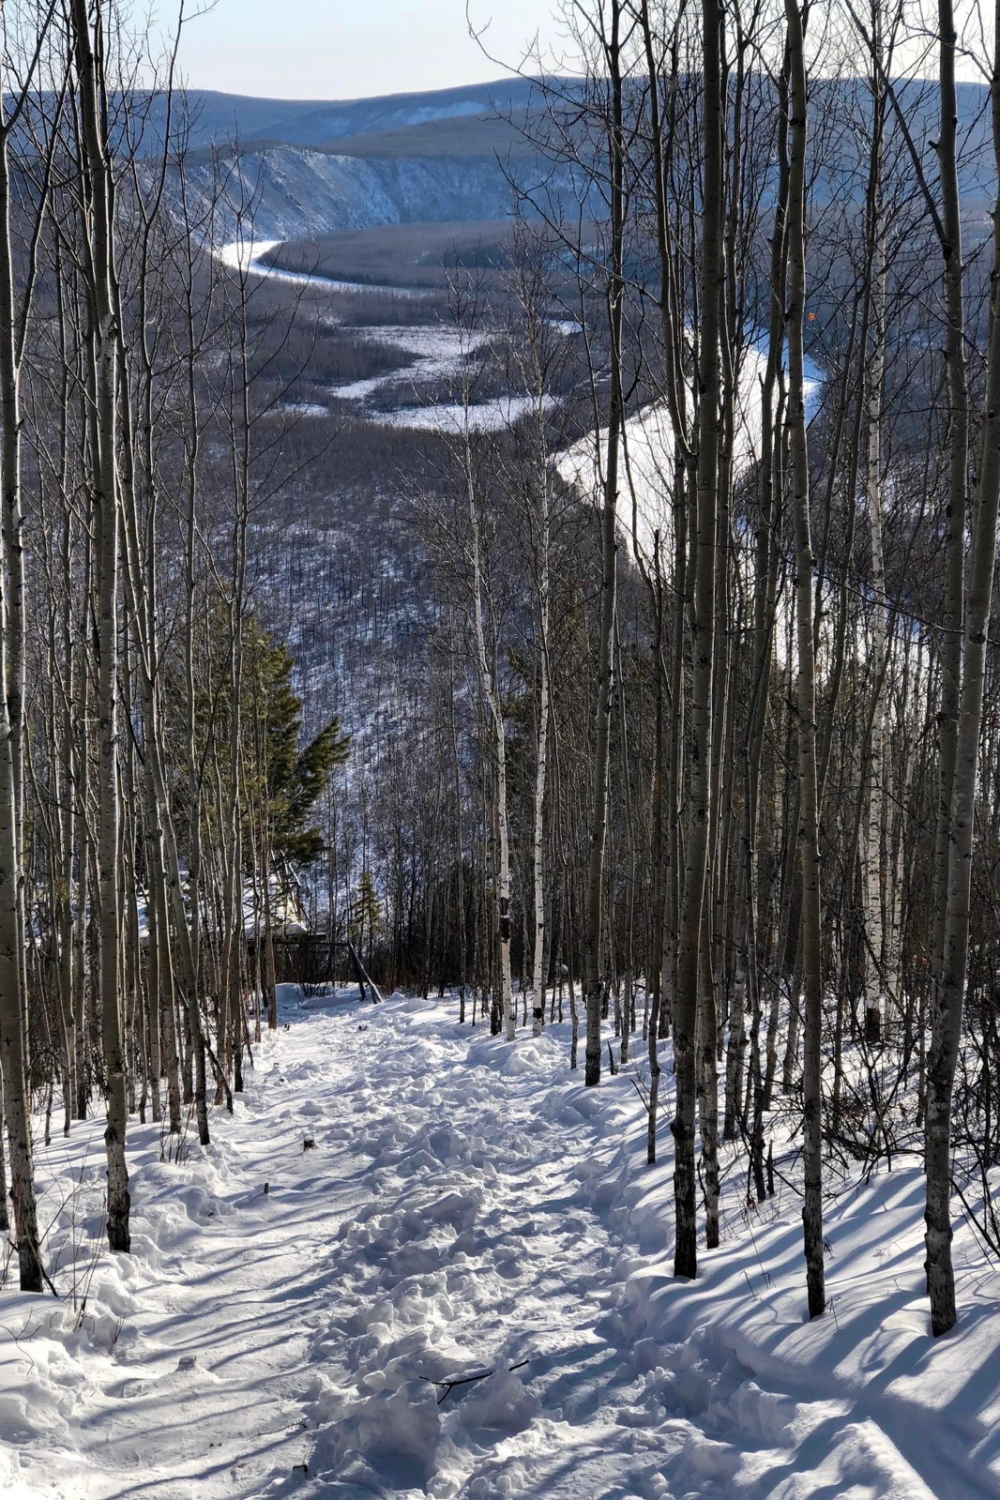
291, 1314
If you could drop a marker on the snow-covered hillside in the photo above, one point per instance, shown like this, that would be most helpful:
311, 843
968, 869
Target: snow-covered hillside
299, 192
401, 1205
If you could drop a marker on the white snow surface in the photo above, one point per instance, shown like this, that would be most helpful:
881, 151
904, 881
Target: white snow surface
468, 1206
646, 480
441, 352
301, 409
247, 255
455, 417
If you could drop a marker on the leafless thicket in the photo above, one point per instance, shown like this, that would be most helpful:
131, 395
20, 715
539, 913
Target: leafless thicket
697, 732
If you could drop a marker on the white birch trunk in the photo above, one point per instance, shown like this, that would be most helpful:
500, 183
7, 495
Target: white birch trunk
104, 375
490, 693
873, 864
537, 969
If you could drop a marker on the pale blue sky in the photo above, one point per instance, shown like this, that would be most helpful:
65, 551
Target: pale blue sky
344, 49
347, 49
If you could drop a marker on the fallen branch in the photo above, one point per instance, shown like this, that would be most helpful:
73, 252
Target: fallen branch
361, 973
447, 1386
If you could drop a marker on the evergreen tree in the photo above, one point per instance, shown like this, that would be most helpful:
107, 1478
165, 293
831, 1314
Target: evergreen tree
295, 778
367, 914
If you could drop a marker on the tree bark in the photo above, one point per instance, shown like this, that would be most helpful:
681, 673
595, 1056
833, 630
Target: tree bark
705, 540
100, 273
808, 830
946, 1026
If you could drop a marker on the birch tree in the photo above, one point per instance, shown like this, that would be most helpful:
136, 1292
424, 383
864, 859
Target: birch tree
808, 801
946, 1025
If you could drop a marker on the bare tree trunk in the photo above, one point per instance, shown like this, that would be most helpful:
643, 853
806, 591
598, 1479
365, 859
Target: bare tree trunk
875, 895
609, 570
655, 959
13, 1006
538, 859
491, 694
958, 470
808, 830
100, 273
704, 538
946, 1025
459, 854
538, 831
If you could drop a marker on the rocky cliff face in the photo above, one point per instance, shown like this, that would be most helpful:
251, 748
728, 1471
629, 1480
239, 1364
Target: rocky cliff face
298, 192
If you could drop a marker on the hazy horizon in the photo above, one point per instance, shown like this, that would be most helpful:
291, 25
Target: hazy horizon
322, 51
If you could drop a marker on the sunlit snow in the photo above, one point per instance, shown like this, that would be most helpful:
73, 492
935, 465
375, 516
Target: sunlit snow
246, 255
398, 1204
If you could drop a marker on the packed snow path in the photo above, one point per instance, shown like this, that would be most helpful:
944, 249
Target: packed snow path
466, 1205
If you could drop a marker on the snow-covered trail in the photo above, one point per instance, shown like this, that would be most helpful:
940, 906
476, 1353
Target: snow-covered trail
475, 1252
466, 1206
428, 1233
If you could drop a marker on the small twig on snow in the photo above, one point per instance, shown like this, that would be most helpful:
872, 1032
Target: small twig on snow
449, 1385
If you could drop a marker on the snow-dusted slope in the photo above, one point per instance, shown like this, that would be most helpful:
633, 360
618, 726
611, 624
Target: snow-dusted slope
297, 192
647, 479
467, 1206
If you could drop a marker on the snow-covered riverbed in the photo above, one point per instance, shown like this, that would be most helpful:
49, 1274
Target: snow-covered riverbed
467, 1206
248, 255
